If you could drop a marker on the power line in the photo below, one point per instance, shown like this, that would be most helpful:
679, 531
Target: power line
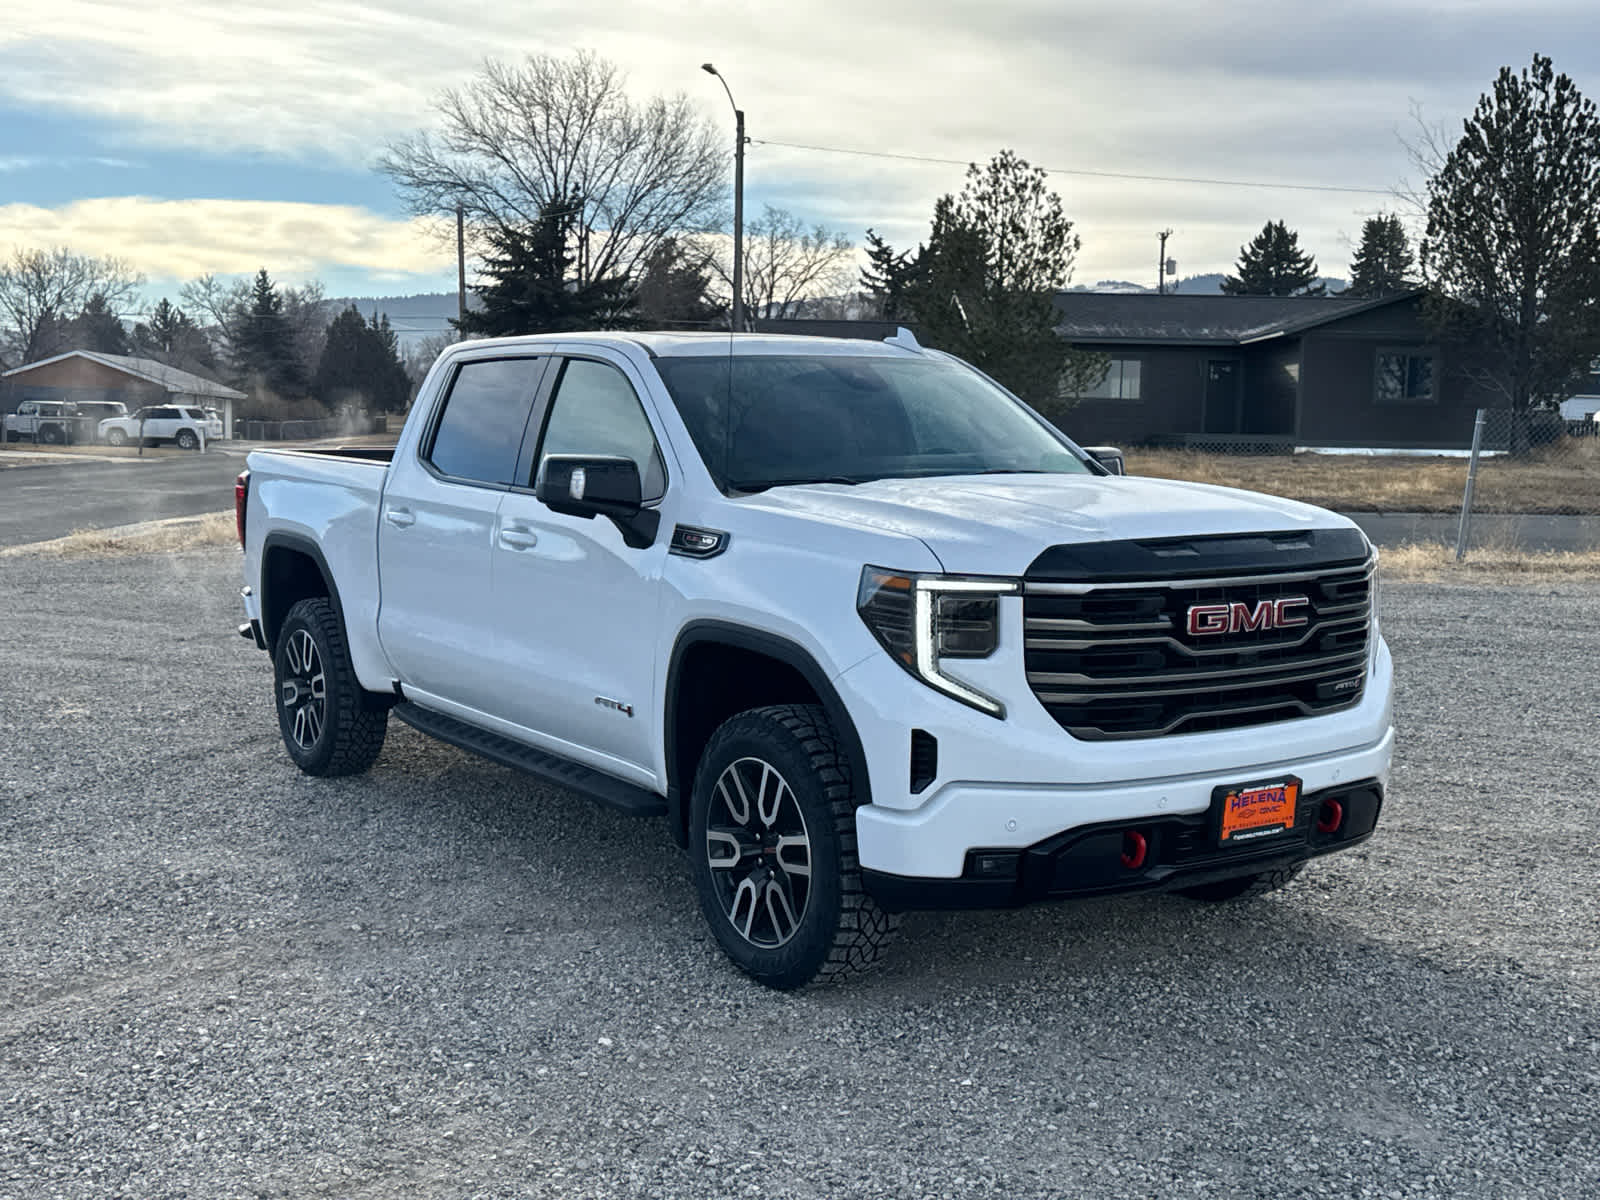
961, 162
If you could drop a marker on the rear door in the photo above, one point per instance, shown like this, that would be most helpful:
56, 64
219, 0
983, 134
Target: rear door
575, 609
436, 526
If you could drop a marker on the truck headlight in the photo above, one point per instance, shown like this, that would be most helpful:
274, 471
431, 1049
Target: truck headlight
923, 619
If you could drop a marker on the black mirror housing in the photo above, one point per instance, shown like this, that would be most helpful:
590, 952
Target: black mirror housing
1108, 457
589, 486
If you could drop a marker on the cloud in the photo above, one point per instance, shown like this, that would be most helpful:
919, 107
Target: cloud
182, 239
1256, 89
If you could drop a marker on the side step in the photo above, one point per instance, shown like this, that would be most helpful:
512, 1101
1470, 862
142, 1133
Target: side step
613, 793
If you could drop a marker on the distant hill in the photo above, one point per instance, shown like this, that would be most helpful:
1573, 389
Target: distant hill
1192, 285
413, 317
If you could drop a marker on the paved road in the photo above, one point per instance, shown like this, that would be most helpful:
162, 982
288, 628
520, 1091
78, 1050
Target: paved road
42, 502
38, 503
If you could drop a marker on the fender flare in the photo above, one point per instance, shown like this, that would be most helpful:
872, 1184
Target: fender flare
300, 544
759, 641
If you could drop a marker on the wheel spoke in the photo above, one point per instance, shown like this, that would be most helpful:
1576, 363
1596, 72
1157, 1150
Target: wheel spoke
769, 812
313, 713
780, 911
794, 855
746, 899
725, 839
740, 812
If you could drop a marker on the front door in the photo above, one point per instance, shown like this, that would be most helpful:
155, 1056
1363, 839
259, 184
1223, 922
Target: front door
576, 609
1222, 396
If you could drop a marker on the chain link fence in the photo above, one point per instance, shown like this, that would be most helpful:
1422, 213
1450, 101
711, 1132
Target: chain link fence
299, 431
1533, 464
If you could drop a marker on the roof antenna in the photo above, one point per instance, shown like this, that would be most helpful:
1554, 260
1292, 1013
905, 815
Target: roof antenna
905, 339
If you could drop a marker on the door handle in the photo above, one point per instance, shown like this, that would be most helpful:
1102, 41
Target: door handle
518, 539
399, 517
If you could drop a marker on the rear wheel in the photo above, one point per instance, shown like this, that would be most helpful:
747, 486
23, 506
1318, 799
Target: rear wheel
772, 839
115, 437
187, 439
51, 435
1245, 887
331, 725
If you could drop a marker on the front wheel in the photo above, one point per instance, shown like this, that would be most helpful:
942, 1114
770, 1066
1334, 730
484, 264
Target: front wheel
187, 439
331, 725
772, 839
116, 438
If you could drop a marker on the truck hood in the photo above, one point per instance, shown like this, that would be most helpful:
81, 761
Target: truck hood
998, 524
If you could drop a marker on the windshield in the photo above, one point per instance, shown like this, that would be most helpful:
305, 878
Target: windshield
831, 418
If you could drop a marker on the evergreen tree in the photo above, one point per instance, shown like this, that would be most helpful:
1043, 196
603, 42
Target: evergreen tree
171, 337
888, 277
264, 350
1513, 241
98, 328
1274, 265
360, 365
533, 289
674, 289
985, 284
1382, 264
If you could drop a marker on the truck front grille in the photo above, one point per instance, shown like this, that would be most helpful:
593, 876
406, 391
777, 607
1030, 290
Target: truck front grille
1118, 660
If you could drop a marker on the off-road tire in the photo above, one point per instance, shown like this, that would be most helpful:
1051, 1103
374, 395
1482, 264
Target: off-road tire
187, 440
353, 722
1245, 887
841, 930
51, 435
116, 438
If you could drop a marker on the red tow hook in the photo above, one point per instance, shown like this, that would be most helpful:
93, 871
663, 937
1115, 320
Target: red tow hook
1135, 846
1330, 816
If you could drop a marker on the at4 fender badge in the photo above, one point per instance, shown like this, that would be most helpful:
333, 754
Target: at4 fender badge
615, 705
1239, 617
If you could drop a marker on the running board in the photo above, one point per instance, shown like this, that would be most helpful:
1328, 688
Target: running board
603, 789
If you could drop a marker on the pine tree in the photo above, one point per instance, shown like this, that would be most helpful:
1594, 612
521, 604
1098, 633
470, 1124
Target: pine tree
888, 277
97, 328
171, 337
264, 349
360, 365
1512, 249
1382, 264
674, 289
533, 289
1274, 265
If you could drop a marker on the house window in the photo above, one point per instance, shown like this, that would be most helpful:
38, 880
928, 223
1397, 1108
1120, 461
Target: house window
1406, 377
1121, 382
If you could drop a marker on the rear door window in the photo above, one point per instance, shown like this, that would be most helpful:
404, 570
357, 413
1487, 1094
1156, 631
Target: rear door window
479, 430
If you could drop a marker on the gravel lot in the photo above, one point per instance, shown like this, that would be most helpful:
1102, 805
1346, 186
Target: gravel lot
219, 978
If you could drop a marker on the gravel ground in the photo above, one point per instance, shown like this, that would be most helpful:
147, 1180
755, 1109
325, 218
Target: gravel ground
219, 978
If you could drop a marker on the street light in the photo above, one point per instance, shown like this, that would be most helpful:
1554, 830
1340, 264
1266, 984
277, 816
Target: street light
738, 200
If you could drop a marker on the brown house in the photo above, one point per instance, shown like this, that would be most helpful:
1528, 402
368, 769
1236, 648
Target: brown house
1260, 372
80, 375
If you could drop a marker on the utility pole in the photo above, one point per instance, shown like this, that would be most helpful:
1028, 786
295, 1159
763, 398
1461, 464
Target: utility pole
461, 263
738, 199
1161, 263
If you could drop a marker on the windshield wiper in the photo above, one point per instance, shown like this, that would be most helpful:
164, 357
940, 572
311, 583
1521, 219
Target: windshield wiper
761, 485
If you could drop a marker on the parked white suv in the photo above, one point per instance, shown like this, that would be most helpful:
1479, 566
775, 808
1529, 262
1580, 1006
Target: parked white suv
869, 633
182, 424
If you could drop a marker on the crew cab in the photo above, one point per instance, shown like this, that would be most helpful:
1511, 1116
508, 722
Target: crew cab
184, 425
864, 629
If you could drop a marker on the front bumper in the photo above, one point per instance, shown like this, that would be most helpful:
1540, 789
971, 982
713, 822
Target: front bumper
1177, 852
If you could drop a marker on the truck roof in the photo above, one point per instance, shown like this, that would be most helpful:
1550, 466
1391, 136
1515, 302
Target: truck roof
685, 344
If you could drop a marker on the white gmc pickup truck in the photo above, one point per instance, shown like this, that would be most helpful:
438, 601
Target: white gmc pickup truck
866, 630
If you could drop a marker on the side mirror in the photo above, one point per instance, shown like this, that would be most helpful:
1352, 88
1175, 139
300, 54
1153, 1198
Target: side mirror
598, 486
1108, 457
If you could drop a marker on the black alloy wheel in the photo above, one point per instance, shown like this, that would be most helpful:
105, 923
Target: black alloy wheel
330, 724
772, 842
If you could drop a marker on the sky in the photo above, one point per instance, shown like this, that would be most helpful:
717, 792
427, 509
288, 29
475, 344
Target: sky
195, 136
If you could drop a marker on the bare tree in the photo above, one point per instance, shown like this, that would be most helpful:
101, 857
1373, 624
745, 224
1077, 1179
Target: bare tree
40, 290
520, 137
785, 264
223, 304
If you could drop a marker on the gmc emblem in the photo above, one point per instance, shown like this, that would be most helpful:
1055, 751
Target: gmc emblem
1239, 617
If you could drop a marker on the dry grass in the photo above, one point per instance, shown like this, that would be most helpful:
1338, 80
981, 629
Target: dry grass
152, 537
1434, 562
1562, 479
89, 451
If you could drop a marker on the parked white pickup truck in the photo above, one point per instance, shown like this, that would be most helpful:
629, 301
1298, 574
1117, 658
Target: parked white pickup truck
868, 632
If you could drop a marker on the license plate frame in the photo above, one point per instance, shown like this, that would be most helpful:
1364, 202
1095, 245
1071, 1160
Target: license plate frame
1246, 815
